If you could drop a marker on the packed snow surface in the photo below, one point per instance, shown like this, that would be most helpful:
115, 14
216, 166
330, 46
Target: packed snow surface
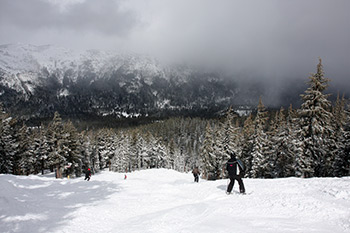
168, 201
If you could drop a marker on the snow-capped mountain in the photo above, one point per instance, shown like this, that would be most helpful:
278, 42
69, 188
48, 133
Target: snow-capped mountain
38, 80
23, 64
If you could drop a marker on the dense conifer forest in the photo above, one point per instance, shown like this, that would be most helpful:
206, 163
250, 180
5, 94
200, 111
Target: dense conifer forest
310, 141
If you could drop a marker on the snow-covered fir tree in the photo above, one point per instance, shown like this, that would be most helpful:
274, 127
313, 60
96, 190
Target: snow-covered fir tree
72, 150
86, 150
238, 138
57, 147
157, 155
26, 151
120, 161
160, 150
247, 144
219, 151
273, 147
171, 154
9, 161
149, 157
342, 135
294, 144
281, 158
207, 155
134, 151
105, 148
316, 127
260, 157
41, 149
229, 142
179, 161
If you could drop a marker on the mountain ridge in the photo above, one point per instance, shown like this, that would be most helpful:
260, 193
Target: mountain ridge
35, 81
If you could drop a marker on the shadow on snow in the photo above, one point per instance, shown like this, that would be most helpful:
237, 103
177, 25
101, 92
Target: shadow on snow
41, 205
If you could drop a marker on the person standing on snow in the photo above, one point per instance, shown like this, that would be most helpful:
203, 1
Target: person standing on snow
235, 170
196, 174
87, 174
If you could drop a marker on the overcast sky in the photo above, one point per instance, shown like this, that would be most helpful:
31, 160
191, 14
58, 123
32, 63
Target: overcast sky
272, 39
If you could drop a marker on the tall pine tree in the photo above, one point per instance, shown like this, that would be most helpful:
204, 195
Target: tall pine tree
315, 125
260, 157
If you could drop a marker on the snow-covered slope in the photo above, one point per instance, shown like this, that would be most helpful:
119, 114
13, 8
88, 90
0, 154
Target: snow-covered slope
168, 201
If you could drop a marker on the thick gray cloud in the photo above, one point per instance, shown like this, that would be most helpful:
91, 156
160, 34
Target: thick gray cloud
272, 40
99, 16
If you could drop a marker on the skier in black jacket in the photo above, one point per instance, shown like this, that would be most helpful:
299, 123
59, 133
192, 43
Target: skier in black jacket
87, 174
236, 172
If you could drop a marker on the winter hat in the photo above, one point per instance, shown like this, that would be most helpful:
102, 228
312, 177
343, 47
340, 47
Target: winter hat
233, 155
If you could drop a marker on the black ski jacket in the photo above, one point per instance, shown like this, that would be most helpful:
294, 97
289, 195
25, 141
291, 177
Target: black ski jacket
235, 167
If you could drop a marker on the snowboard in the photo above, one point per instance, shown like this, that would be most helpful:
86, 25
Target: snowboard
238, 193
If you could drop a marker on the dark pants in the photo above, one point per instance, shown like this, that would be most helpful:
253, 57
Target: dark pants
87, 178
232, 183
196, 177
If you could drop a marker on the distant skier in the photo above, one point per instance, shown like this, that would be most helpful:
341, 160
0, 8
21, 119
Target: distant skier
235, 170
196, 174
87, 174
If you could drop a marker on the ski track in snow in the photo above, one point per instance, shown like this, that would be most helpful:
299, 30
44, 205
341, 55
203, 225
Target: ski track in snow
163, 200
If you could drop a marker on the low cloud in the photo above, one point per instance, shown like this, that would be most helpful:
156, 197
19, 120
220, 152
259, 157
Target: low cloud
271, 41
98, 16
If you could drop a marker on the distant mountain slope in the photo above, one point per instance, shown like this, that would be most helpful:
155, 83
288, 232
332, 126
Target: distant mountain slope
35, 81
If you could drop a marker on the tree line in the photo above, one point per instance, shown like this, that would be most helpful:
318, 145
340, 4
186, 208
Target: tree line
306, 142
310, 141
59, 147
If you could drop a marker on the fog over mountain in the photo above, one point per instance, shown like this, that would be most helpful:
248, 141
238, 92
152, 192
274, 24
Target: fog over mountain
36, 81
273, 44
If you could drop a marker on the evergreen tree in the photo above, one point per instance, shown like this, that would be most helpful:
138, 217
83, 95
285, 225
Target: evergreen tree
247, 148
157, 155
281, 159
294, 144
171, 152
273, 148
179, 161
72, 144
208, 156
315, 124
238, 138
120, 162
9, 160
134, 150
86, 149
149, 157
57, 148
105, 148
41, 149
260, 144
26, 151
160, 151
94, 157
229, 134
342, 134
220, 153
